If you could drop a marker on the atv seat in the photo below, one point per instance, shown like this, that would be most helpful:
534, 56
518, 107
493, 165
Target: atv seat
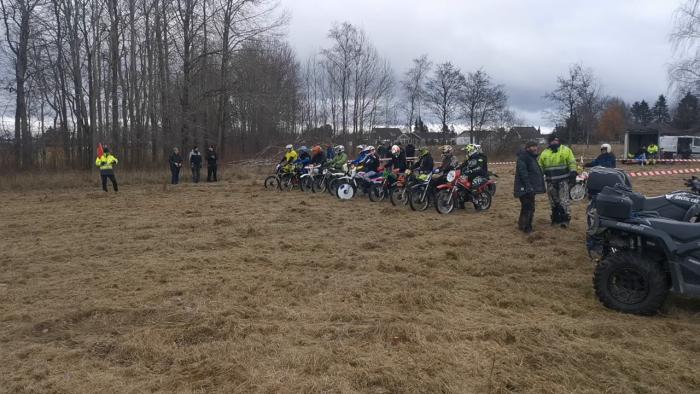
651, 203
679, 231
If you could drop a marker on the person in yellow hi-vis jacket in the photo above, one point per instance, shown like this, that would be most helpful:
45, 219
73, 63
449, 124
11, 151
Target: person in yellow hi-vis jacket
559, 167
106, 162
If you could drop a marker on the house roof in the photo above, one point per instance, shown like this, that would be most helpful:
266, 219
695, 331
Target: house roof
386, 133
526, 132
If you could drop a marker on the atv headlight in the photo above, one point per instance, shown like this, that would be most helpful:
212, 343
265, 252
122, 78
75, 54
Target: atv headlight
451, 176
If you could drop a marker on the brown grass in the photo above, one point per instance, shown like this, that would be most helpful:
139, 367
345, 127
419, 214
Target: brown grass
223, 287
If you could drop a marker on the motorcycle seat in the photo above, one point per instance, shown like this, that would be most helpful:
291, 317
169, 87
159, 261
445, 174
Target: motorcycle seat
680, 231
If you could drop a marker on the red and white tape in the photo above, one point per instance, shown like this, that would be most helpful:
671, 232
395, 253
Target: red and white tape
664, 172
502, 163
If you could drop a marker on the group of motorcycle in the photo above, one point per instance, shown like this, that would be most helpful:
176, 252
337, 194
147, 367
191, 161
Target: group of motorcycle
409, 188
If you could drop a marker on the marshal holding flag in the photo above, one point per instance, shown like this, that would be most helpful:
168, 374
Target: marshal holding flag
106, 162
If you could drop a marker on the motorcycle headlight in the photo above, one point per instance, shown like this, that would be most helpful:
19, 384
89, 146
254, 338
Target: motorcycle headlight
451, 176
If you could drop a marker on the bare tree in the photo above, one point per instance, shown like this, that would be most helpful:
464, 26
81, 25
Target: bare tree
413, 86
684, 71
443, 92
576, 97
482, 103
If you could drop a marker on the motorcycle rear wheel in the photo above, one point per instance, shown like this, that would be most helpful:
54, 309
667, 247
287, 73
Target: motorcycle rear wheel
482, 201
319, 185
306, 184
445, 202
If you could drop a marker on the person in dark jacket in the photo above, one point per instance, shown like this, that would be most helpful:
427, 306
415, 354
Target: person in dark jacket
212, 159
398, 159
175, 161
605, 159
318, 158
425, 161
475, 165
330, 152
529, 181
195, 164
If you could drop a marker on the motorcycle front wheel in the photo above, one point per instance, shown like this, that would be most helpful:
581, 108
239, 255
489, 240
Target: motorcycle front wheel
445, 202
306, 183
272, 183
418, 199
398, 196
345, 191
578, 192
377, 193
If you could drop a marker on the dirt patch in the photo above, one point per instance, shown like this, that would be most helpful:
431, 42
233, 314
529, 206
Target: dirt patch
229, 288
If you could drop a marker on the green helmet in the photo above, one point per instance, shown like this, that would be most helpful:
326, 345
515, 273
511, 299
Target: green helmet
423, 151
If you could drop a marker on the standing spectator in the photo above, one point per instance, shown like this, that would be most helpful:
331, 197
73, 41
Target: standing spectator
106, 162
175, 165
559, 166
195, 164
211, 164
529, 181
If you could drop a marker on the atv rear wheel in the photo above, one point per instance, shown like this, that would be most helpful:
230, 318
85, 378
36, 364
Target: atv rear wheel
630, 283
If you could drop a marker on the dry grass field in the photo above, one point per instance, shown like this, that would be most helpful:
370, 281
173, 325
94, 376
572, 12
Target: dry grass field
227, 288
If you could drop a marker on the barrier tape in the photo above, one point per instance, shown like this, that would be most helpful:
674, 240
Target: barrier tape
663, 161
664, 172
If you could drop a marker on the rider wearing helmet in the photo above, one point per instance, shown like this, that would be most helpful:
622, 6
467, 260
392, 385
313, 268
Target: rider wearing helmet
360, 157
304, 156
425, 161
318, 158
398, 159
476, 163
605, 159
370, 165
449, 161
290, 156
340, 159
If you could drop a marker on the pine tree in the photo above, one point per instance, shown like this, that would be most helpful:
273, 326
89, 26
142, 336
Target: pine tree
687, 112
660, 111
642, 113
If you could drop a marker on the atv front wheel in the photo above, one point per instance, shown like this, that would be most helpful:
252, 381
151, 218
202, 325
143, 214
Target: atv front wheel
630, 283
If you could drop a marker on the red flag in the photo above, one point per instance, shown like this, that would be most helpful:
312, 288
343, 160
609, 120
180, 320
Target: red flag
100, 151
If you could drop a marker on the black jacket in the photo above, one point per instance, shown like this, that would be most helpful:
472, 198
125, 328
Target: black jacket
398, 162
410, 150
196, 160
211, 159
175, 159
318, 159
371, 163
475, 165
448, 164
424, 164
528, 175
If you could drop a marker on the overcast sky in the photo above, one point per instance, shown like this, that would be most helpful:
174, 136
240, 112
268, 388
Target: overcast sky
523, 44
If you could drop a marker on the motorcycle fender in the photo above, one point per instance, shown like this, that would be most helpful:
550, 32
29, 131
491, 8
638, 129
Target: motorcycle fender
680, 285
445, 186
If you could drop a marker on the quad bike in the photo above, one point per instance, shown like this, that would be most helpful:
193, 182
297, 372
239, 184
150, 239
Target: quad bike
641, 256
459, 190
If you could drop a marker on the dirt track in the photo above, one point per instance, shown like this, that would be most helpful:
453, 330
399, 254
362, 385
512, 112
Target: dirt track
227, 288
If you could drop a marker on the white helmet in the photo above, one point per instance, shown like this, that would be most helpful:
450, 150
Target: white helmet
607, 148
447, 149
361, 147
395, 150
340, 148
289, 147
370, 148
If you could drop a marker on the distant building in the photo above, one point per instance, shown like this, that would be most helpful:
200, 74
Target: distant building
382, 134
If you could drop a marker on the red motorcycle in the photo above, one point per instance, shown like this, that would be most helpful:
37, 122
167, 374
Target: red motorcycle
459, 190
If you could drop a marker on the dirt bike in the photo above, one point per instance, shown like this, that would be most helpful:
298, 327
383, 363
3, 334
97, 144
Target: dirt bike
380, 188
273, 182
421, 195
323, 182
578, 190
398, 195
459, 190
307, 179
